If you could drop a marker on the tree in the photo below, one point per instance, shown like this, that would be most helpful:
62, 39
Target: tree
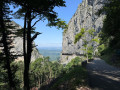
36, 70
42, 72
5, 41
19, 73
41, 9
87, 44
3, 74
111, 26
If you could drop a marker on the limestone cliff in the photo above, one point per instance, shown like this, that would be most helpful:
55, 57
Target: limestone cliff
84, 17
18, 46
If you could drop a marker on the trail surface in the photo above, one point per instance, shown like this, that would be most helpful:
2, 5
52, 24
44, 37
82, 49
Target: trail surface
102, 76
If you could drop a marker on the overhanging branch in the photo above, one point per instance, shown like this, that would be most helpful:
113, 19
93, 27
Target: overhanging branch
35, 23
36, 34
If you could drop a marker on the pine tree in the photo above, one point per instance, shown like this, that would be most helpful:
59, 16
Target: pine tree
7, 33
41, 9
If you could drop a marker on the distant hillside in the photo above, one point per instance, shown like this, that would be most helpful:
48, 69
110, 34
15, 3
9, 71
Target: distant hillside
53, 53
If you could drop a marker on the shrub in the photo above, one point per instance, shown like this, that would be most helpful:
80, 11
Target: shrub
79, 35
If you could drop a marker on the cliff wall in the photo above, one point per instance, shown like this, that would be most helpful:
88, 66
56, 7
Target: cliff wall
18, 46
84, 17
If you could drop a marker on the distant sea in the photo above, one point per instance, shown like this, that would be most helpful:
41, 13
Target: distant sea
52, 52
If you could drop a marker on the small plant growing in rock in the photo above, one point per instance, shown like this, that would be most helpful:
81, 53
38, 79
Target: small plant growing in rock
79, 35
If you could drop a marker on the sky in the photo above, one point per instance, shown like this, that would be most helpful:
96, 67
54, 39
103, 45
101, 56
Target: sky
51, 36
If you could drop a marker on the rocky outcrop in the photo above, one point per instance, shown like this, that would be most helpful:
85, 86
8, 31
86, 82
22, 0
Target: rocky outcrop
84, 17
18, 46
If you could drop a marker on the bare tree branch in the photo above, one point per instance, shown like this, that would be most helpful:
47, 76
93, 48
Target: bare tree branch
36, 23
34, 16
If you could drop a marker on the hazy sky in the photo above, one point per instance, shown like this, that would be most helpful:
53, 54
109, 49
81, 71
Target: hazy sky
52, 37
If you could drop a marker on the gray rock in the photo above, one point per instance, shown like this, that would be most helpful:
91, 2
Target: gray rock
18, 46
84, 17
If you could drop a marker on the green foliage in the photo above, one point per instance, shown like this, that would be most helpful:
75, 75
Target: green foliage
101, 48
74, 62
3, 76
59, 24
90, 52
67, 57
85, 44
65, 30
97, 40
42, 70
79, 35
69, 81
74, 76
41, 10
91, 32
111, 57
4, 85
7, 57
107, 58
88, 49
110, 34
19, 73
110, 31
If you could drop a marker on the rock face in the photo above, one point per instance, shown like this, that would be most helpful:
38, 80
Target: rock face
84, 17
18, 46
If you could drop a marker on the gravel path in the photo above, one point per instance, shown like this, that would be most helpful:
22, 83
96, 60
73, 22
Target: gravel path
102, 76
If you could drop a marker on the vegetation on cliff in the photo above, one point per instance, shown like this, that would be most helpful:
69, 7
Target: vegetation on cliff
79, 35
88, 47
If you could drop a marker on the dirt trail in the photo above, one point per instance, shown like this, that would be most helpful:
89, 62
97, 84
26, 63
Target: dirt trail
102, 76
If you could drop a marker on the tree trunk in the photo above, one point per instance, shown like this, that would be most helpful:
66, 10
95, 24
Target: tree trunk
24, 50
39, 82
86, 52
29, 50
41, 79
24, 39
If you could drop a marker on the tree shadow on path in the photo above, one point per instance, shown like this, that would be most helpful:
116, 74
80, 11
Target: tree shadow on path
102, 76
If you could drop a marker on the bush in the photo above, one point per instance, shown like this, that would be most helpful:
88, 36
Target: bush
74, 76
69, 81
79, 35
